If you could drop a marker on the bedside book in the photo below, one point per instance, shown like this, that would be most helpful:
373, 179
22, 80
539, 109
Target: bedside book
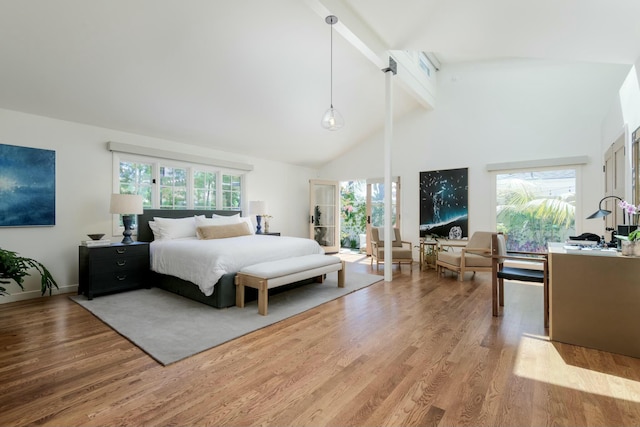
92, 243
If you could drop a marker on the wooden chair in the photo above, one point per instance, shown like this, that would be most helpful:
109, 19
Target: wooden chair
500, 273
401, 249
475, 256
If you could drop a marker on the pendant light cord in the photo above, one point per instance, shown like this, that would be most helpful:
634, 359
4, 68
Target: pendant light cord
331, 70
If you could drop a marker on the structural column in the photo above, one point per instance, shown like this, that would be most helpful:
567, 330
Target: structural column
388, 137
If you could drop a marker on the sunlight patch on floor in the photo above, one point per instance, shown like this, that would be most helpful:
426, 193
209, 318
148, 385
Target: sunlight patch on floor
550, 367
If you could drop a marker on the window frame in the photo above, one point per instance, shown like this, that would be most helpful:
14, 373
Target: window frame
158, 162
578, 168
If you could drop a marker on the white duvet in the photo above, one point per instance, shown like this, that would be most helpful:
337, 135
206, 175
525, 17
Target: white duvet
203, 262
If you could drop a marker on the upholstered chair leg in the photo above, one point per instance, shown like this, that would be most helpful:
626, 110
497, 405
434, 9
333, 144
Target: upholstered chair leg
501, 291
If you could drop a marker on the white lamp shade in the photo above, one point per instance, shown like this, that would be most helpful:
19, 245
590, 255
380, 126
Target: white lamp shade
258, 207
126, 204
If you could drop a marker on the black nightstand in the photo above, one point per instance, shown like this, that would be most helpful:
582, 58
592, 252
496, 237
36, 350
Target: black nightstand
268, 234
114, 268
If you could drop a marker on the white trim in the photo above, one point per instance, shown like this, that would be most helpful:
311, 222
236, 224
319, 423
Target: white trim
173, 155
21, 295
541, 163
381, 180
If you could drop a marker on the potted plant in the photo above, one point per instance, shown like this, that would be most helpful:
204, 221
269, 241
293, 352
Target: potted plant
15, 267
634, 239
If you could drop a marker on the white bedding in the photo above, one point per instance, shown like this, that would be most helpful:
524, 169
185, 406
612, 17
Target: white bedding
203, 262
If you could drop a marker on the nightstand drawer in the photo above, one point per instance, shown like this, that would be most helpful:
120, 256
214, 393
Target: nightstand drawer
117, 281
120, 263
112, 252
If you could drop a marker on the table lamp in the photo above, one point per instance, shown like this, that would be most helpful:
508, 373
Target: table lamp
126, 205
258, 208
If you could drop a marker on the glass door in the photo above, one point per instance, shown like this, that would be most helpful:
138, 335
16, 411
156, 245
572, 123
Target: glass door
375, 205
323, 226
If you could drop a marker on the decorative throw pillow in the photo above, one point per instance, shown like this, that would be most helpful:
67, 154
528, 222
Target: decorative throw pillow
223, 231
204, 221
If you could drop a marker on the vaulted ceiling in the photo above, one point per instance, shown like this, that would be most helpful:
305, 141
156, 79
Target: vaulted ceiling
253, 76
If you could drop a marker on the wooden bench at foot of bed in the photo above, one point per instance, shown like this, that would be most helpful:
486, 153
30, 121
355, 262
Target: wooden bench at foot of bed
272, 274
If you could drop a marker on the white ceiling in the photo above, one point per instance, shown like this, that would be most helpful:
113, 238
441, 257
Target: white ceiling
252, 76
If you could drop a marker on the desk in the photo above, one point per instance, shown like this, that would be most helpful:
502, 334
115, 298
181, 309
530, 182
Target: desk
595, 301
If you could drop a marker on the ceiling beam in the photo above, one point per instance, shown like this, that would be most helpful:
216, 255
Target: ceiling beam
353, 29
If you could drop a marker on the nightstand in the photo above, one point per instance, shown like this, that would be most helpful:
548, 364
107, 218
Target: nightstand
113, 268
268, 234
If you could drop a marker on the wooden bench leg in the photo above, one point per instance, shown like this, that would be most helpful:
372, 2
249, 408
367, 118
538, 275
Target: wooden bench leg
239, 292
263, 297
341, 275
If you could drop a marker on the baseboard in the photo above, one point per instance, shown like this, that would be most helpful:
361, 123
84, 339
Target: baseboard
25, 295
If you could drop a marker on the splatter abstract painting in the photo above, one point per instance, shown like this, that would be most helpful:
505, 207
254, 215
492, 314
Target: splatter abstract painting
443, 203
27, 186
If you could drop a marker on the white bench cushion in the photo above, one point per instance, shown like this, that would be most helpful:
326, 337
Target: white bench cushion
287, 266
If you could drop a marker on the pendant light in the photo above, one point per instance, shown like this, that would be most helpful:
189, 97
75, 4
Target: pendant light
332, 119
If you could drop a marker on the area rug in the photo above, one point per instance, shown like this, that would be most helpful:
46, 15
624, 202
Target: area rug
170, 327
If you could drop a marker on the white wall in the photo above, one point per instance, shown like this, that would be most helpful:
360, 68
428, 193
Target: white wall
493, 112
84, 185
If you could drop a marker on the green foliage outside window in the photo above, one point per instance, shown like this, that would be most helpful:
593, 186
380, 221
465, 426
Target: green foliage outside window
353, 215
207, 189
173, 188
204, 190
530, 219
231, 192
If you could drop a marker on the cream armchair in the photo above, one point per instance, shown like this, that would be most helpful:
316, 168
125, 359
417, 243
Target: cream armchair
401, 249
475, 256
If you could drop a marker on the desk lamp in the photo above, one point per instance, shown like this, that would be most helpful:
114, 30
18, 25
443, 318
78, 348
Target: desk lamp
601, 213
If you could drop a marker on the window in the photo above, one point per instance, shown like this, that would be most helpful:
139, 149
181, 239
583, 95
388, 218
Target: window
231, 192
535, 207
176, 185
173, 188
204, 190
136, 178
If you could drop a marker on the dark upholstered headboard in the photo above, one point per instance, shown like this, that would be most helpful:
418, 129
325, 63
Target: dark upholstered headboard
146, 235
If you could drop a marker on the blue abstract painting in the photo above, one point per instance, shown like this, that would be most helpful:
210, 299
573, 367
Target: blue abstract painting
27, 186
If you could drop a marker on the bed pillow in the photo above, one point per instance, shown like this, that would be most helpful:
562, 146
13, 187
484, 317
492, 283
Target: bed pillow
155, 230
236, 216
223, 231
249, 223
223, 219
176, 228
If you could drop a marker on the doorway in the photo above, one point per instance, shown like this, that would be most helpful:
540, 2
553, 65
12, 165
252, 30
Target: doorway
362, 207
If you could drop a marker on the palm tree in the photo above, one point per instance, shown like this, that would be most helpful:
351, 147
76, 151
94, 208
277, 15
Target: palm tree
531, 220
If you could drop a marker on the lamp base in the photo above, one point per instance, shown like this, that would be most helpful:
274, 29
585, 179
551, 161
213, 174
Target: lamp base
258, 226
126, 221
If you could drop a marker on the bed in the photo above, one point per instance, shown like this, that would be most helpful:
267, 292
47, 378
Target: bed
204, 270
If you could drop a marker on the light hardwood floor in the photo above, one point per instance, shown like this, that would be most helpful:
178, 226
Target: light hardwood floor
421, 350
